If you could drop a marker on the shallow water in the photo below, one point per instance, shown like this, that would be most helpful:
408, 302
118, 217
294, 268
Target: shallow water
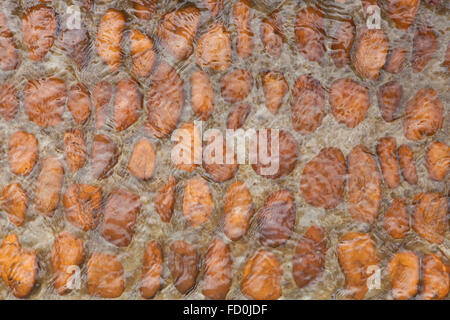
38, 232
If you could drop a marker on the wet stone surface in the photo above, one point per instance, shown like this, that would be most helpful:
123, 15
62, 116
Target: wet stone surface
76, 106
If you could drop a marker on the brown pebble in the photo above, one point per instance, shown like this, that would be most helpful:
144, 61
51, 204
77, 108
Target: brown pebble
219, 163
308, 104
389, 96
75, 150
101, 95
47, 189
309, 259
342, 42
310, 33
281, 164
424, 115
9, 101
242, 16
105, 276
425, 44
177, 29
83, 205
369, 55
238, 210
435, 278
261, 279
23, 152
323, 179
272, 34
67, 253
44, 101
165, 200
202, 94
19, 266
127, 104
275, 88
364, 185
142, 160
349, 102
109, 38
14, 201
404, 275
276, 219
119, 216
387, 154
165, 101
152, 270
438, 160
105, 155
218, 273
79, 103
9, 58
357, 257
407, 164
395, 60
236, 85
430, 217
142, 53
238, 115
396, 219
214, 48
183, 265
38, 29
214, 6
144, 9
198, 202
402, 12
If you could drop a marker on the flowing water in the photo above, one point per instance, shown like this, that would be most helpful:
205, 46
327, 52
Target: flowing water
38, 232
